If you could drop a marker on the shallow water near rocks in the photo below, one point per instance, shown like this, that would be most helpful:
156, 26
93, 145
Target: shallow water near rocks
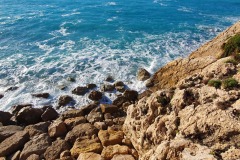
44, 42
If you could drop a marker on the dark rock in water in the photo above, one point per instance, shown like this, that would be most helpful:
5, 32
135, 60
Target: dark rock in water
118, 83
120, 88
37, 145
53, 152
88, 108
131, 95
149, 83
5, 117
71, 114
71, 79
108, 108
1, 96
107, 88
95, 95
12, 88
109, 79
62, 87
80, 91
91, 86
29, 115
119, 101
7, 131
64, 100
41, 95
37, 129
143, 74
13, 143
15, 109
49, 114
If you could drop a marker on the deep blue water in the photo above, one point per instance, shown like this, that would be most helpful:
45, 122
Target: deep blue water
42, 42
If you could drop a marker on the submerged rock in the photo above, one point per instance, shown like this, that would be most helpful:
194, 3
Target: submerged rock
64, 100
107, 88
95, 95
143, 74
80, 91
91, 86
41, 95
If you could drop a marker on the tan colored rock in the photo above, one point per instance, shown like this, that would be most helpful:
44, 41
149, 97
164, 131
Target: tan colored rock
143, 74
13, 143
86, 145
81, 130
33, 157
94, 116
231, 154
100, 125
57, 129
71, 114
110, 137
37, 129
15, 156
214, 47
109, 151
72, 122
89, 156
108, 108
123, 157
7, 131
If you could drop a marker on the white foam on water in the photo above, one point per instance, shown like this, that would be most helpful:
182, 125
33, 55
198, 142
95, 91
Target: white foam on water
185, 9
63, 31
71, 14
111, 4
111, 19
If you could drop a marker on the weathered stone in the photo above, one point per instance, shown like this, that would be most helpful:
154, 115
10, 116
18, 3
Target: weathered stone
13, 143
41, 95
95, 95
53, 152
29, 115
146, 93
231, 154
109, 151
80, 91
91, 86
107, 88
65, 153
120, 88
49, 114
1, 96
72, 122
37, 145
7, 131
57, 129
108, 108
72, 114
149, 83
64, 100
37, 129
15, 156
110, 137
119, 83
94, 116
81, 130
143, 74
100, 125
71, 79
86, 145
131, 95
33, 157
5, 117
109, 79
89, 156
15, 109
13, 88
123, 157
119, 101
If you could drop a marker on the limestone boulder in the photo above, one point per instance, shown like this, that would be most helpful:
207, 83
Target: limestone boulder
123, 157
71, 114
108, 108
143, 74
7, 131
64, 100
57, 129
49, 114
29, 115
89, 156
109, 151
34, 157
37, 129
80, 91
95, 116
108, 137
72, 122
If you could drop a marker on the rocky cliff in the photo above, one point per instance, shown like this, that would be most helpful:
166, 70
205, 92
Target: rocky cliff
193, 111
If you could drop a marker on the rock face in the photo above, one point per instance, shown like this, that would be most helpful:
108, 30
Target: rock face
13, 143
110, 137
37, 129
7, 131
29, 115
57, 129
80, 91
89, 156
110, 151
143, 74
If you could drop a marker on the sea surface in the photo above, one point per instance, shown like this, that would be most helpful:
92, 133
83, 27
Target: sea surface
42, 42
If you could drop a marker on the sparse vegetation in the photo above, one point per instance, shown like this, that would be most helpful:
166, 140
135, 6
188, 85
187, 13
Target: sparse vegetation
232, 47
229, 83
215, 83
233, 61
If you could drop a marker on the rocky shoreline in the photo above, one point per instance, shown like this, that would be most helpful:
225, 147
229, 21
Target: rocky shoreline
191, 110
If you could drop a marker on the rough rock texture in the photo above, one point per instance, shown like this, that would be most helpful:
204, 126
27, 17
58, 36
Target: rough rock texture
72, 122
29, 115
7, 131
64, 100
110, 137
123, 157
41, 95
57, 129
37, 145
89, 156
109, 151
143, 74
49, 114
80, 91
95, 95
108, 108
37, 129
33, 157
5, 117
13, 143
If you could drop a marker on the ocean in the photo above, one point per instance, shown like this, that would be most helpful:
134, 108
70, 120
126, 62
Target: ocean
43, 42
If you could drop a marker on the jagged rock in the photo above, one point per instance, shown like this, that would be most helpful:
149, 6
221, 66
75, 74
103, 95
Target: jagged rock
109, 79
13, 143
118, 83
64, 100
53, 152
86, 145
15, 109
29, 115
15, 156
89, 156
80, 91
91, 86
131, 95
1, 96
146, 93
57, 129
230, 154
72, 122
7, 131
72, 114
65, 153
49, 114
100, 125
110, 137
123, 157
94, 116
95, 95
143, 74
149, 83
120, 88
33, 157
108, 108
81, 130
5, 117
41, 95
107, 88
119, 101
88, 108
37, 145
37, 129
109, 151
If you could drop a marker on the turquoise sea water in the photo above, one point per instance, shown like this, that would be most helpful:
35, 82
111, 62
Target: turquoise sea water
43, 42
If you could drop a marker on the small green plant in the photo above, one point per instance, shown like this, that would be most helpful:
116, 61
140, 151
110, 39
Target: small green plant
232, 47
212, 153
229, 83
215, 83
233, 61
